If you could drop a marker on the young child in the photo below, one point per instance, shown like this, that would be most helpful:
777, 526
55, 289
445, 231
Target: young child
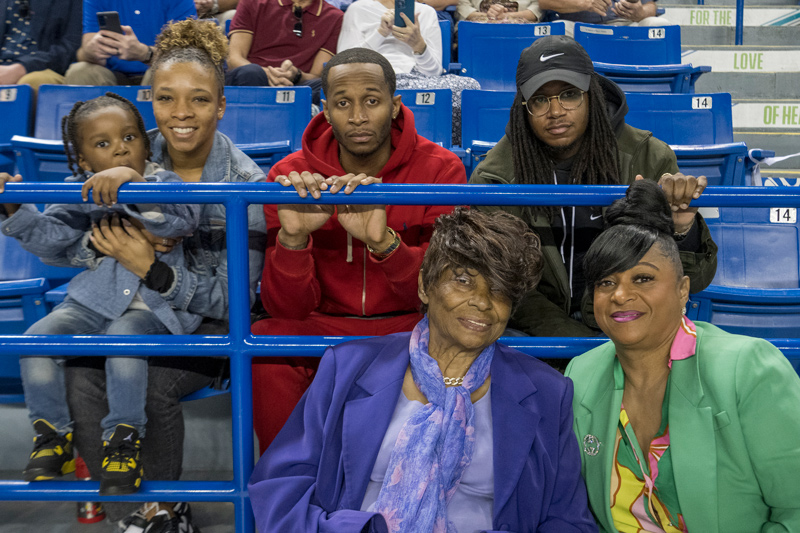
106, 137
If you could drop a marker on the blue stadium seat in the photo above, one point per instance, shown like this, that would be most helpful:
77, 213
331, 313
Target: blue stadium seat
484, 115
756, 290
433, 113
266, 123
639, 59
447, 43
490, 52
698, 127
24, 280
16, 106
42, 158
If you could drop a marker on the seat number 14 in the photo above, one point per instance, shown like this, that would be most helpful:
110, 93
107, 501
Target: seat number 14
783, 215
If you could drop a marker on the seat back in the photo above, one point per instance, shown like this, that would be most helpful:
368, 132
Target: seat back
630, 45
759, 247
484, 115
446, 27
24, 279
16, 109
699, 127
56, 101
266, 114
433, 113
756, 290
490, 52
683, 118
15, 106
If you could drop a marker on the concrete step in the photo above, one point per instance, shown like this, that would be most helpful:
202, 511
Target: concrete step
751, 36
770, 124
780, 177
725, 15
766, 72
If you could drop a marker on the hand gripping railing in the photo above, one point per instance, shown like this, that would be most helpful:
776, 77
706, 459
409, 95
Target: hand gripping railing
241, 346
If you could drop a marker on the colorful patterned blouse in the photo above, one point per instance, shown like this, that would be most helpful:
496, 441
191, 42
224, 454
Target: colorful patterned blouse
643, 493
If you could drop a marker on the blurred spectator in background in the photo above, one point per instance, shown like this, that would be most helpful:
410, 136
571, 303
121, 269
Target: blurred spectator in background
499, 10
222, 10
39, 40
622, 13
109, 58
282, 42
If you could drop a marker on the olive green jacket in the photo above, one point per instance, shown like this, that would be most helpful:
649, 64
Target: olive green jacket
544, 312
734, 429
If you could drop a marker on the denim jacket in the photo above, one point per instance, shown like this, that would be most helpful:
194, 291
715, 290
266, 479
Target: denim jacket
60, 235
202, 285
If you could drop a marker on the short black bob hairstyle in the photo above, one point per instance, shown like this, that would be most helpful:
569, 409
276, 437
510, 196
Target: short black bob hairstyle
633, 225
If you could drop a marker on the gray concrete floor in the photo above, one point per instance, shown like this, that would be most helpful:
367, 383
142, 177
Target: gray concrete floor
60, 517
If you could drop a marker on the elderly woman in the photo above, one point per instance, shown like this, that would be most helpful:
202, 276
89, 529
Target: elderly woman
683, 427
441, 429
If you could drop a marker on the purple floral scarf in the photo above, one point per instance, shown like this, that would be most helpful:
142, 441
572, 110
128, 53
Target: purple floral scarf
434, 446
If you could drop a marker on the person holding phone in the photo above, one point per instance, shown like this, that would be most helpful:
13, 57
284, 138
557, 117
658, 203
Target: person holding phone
413, 47
120, 52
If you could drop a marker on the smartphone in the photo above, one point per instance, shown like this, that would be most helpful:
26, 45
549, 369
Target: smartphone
403, 6
109, 21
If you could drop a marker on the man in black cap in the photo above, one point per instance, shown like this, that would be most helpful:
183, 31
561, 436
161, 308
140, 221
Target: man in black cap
567, 126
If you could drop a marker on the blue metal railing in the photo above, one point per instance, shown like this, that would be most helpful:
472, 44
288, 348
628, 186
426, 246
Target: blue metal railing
240, 346
739, 37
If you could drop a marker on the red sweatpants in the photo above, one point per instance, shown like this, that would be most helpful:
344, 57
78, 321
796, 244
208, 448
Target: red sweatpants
279, 382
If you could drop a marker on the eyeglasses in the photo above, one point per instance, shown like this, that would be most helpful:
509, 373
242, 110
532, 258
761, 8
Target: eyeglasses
569, 99
298, 25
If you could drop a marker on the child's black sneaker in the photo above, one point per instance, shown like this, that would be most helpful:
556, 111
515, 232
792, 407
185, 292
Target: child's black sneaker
52, 453
122, 463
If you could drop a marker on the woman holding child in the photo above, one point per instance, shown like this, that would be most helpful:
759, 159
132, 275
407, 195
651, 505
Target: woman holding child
188, 101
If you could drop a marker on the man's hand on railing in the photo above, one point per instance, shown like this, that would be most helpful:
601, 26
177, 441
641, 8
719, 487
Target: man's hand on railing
680, 190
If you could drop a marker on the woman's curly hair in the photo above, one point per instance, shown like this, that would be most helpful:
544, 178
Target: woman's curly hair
499, 246
192, 41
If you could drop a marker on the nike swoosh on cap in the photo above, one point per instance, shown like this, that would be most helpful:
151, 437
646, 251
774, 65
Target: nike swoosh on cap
592, 217
544, 58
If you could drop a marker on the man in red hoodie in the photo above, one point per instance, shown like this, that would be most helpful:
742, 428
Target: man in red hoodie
345, 270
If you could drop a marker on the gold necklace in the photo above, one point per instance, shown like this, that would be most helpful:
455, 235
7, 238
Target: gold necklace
455, 382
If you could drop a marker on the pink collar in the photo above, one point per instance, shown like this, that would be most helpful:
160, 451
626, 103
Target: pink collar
685, 343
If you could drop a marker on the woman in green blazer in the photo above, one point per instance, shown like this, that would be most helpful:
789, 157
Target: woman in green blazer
718, 415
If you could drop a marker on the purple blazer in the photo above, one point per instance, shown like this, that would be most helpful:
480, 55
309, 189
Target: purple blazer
314, 475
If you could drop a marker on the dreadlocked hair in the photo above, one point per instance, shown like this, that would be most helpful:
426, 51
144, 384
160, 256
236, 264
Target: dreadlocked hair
597, 162
192, 41
71, 125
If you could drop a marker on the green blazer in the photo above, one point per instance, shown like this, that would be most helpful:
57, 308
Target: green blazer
734, 419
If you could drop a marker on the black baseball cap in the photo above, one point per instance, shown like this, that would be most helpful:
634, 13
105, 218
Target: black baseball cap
553, 58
